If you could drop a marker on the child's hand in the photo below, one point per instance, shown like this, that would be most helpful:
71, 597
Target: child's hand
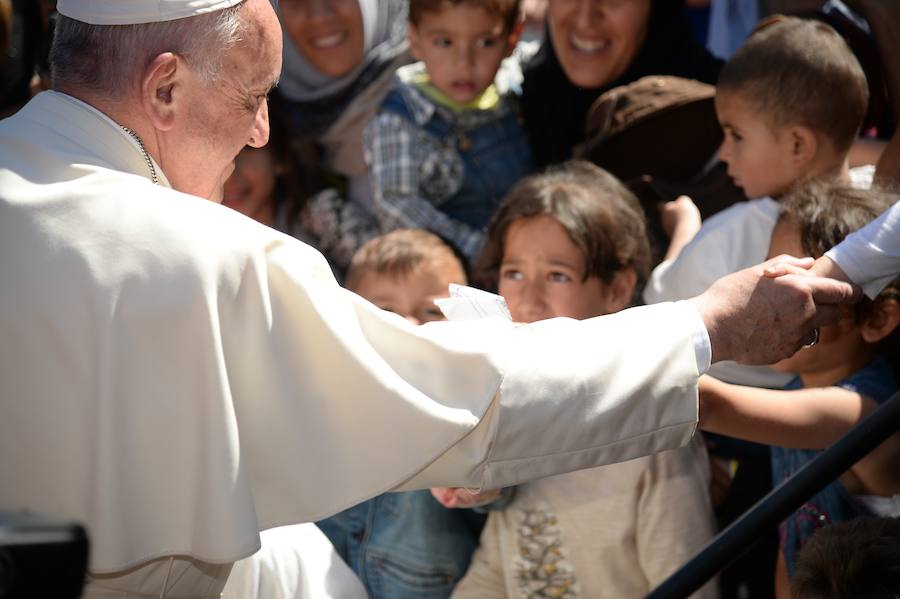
682, 215
458, 497
680, 220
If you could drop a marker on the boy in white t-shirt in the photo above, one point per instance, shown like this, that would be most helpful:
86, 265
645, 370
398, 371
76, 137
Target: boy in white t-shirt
791, 102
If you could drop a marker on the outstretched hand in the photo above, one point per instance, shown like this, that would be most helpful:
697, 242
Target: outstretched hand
458, 497
755, 318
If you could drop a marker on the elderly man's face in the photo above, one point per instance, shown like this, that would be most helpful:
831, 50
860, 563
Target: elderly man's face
229, 113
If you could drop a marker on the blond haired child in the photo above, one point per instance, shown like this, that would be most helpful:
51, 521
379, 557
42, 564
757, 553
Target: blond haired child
841, 378
571, 242
446, 143
405, 545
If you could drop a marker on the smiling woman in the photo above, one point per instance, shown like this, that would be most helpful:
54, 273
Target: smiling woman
339, 57
339, 60
593, 46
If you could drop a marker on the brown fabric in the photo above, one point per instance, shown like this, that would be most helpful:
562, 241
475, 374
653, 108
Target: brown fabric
660, 136
661, 126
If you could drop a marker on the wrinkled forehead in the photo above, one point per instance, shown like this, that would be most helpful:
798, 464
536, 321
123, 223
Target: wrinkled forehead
262, 39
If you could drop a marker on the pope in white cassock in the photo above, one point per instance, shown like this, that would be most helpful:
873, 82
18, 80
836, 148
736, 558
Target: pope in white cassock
178, 377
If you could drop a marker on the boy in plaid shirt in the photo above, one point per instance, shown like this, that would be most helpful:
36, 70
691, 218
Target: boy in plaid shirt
446, 143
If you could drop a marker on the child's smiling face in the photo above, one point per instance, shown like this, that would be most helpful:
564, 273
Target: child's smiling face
542, 274
462, 47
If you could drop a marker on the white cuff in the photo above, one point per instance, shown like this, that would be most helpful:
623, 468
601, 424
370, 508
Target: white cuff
702, 345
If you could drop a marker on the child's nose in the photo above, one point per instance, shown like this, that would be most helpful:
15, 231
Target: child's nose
725, 151
533, 301
466, 55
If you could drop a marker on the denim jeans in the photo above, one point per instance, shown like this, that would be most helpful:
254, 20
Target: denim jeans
405, 545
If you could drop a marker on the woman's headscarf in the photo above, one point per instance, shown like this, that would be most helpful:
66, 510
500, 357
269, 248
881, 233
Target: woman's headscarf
321, 99
555, 109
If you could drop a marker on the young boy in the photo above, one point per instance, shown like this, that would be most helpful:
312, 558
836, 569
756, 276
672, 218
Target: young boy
846, 374
791, 102
447, 143
405, 544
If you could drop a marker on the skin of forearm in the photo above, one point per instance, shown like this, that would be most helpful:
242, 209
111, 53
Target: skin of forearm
826, 267
805, 418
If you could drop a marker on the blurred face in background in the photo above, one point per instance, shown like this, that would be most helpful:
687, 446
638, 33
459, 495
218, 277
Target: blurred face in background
597, 40
329, 33
250, 188
412, 294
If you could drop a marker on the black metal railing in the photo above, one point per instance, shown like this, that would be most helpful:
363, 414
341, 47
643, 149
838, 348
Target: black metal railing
868, 434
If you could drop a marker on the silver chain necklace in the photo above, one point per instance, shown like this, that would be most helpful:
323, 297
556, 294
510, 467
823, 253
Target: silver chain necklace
144, 153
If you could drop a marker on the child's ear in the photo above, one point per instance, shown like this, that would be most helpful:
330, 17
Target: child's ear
882, 321
804, 145
515, 34
415, 42
620, 290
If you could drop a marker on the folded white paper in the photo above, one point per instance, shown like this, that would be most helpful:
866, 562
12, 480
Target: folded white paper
468, 303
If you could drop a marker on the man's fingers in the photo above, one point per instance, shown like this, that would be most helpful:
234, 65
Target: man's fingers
830, 291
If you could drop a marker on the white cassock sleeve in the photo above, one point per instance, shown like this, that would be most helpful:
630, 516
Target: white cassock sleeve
871, 256
383, 404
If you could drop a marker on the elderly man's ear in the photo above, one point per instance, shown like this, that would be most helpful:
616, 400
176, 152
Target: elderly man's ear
162, 86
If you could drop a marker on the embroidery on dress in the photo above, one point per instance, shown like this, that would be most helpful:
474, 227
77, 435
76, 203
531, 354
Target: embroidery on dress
542, 568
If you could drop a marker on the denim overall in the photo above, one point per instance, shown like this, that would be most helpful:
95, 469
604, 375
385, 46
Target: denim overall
495, 156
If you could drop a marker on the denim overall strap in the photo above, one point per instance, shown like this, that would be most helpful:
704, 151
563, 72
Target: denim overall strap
495, 156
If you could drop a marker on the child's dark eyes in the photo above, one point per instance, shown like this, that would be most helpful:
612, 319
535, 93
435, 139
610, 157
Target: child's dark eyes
487, 42
511, 274
442, 42
559, 277
735, 135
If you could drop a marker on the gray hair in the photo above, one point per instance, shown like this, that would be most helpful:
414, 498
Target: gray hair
109, 57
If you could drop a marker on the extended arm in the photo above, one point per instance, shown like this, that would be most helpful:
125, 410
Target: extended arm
681, 221
805, 418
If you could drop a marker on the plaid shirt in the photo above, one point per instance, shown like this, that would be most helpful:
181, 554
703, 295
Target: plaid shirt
413, 172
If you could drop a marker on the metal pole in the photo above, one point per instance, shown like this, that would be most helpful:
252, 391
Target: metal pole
781, 501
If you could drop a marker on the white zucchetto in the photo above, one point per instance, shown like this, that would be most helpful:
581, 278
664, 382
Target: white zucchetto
131, 12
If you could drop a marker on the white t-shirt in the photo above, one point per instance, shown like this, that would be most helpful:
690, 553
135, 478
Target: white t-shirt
731, 240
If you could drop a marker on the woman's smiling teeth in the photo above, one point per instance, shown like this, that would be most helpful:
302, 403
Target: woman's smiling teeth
588, 45
329, 41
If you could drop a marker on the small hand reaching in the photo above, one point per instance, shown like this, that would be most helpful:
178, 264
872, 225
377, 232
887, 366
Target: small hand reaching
458, 497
